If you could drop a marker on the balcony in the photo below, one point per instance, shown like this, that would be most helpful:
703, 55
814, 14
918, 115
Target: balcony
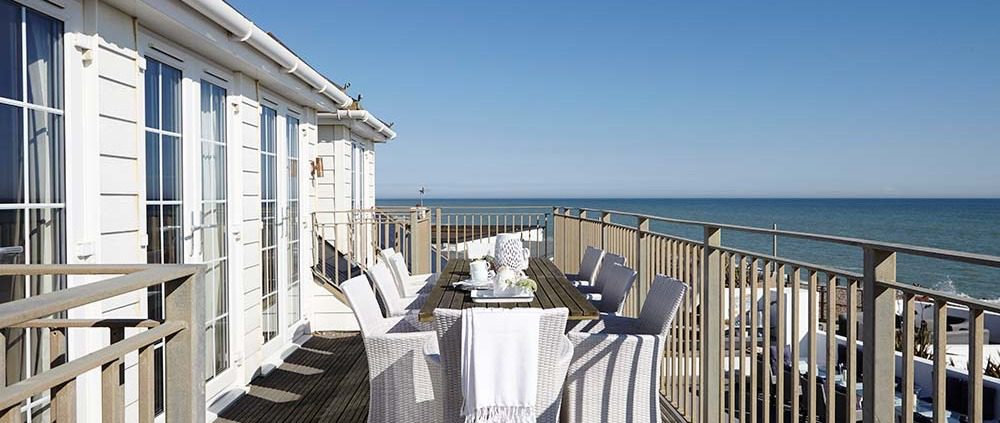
758, 337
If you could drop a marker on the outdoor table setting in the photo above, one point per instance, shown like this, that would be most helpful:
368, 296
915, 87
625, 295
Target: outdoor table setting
496, 282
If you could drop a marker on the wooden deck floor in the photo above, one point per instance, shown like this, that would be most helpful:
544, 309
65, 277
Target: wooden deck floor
325, 380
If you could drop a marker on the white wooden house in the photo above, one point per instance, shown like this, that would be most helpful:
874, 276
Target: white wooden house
169, 131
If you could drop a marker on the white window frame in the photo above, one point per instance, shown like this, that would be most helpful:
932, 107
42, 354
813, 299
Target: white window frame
67, 15
195, 68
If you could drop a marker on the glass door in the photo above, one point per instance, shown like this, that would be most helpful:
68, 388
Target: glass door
213, 235
268, 216
32, 177
292, 225
164, 189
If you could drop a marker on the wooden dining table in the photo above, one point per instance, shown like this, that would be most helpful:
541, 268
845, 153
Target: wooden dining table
554, 291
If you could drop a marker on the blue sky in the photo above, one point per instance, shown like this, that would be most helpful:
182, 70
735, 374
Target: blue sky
667, 99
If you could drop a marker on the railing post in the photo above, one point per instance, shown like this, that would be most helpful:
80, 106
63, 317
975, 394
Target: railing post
185, 351
559, 237
879, 335
63, 395
605, 219
572, 260
437, 235
581, 238
642, 264
711, 331
420, 240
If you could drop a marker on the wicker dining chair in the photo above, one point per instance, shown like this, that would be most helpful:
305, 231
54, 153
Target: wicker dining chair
589, 265
395, 303
616, 284
554, 355
404, 373
410, 285
615, 373
593, 291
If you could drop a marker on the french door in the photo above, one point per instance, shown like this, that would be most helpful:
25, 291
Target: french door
187, 199
32, 178
211, 229
281, 297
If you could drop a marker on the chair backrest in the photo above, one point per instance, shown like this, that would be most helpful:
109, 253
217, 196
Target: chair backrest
590, 263
607, 263
400, 273
362, 300
385, 253
615, 287
551, 341
386, 285
661, 304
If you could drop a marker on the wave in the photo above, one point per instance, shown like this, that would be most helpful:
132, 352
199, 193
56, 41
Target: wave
948, 286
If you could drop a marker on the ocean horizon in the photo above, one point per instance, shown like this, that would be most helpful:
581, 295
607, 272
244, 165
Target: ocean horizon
962, 224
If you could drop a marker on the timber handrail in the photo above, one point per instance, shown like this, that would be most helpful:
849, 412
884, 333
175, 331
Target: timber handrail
939, 253
14, 394
742, 304
181, 331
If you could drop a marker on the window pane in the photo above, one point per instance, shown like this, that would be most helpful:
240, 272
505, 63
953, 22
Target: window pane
293, 179
213, 171
10, 50
293, 220
46, 236
44, 59
172, 236
213, 106
213, 240
267, 130
152, 166
293, 137
221, 290
152, 94
45, 157
171, 91
11, 155
11, 235
171, 148
222, 345
154, 252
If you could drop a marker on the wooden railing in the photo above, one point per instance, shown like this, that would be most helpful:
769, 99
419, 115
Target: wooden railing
347, 241
717, 361
182, 332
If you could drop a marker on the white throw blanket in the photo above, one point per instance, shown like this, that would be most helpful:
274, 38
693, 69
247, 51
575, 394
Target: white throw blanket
499, 364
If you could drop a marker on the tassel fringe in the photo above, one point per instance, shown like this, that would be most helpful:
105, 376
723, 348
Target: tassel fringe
498, 414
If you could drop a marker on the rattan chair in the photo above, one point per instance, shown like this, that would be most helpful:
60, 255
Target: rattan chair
617, 280
404, 373
395, 303
554, 356
593, 291
589, 265
410, 285
615, 373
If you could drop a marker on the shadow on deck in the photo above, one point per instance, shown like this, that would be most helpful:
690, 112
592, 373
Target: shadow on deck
324, 380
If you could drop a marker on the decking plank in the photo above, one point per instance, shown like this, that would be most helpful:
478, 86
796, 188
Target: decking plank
334, 388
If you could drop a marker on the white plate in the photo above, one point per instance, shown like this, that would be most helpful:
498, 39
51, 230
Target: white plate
488, 296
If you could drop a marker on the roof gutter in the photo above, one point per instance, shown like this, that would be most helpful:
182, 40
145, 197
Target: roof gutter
233, 21
365, 117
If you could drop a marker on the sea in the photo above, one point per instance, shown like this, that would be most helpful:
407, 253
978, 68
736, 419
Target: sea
969, 225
